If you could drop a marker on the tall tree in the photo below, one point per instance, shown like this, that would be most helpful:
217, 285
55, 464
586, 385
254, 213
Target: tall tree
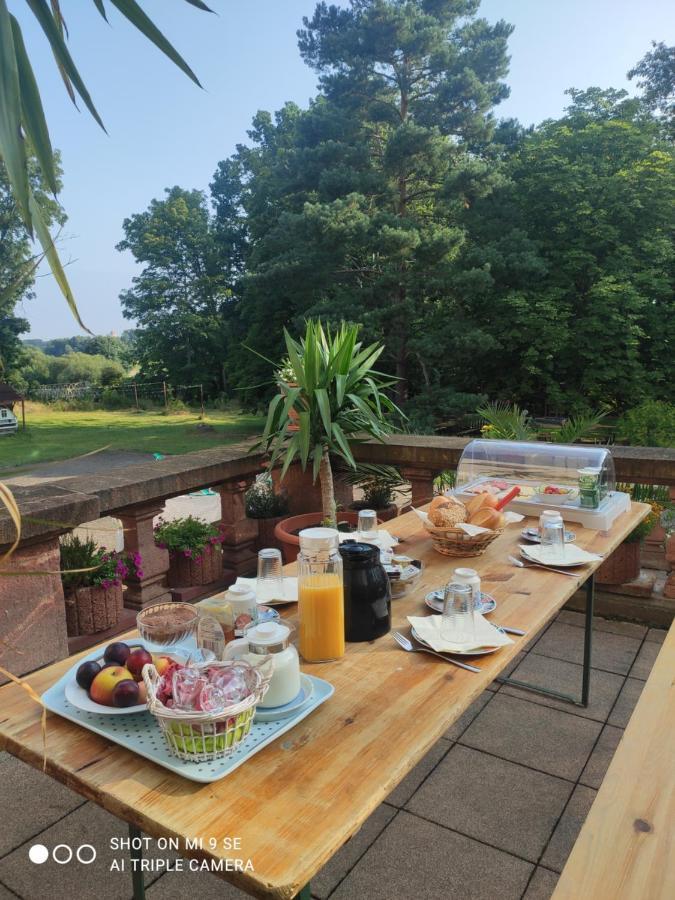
17, 262
655, 74
353, 205
180, 298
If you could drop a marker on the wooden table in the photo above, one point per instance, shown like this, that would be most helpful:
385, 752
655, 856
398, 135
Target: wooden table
626, 848
296, 802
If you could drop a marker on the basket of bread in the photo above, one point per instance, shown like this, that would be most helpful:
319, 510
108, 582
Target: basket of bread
447, 515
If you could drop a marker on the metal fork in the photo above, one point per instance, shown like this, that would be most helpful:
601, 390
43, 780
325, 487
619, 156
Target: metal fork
533, 565
405, 644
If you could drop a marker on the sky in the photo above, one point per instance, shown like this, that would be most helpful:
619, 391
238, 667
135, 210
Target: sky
165, 131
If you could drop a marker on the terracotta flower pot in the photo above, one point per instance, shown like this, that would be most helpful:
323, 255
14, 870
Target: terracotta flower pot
384, 514
290, 543
92, 609
186, 572
622, 566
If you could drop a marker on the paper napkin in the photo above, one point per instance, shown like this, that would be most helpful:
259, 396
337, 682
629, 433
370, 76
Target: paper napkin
429, 629
384, 540
290, 589
553, 556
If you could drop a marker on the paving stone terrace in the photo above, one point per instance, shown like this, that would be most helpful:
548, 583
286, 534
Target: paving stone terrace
492, 810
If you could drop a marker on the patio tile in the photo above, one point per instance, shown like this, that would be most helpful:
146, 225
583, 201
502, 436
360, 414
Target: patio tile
20, 787
404, 791
533, 735
601, 757
630, 629
413, 858
517, 659
645, 660
350, 853
179, 885
542, 885
87, 825
5, 894
503, 804
559, 675
467, 717
568, 828
570, 617
629, 696
657, 635
611, 652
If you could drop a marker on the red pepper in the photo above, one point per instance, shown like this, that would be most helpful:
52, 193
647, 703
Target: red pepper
508, 497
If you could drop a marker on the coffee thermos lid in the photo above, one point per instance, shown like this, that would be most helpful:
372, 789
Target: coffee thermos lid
356, 555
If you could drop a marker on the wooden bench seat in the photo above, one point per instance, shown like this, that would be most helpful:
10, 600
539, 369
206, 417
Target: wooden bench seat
626, 848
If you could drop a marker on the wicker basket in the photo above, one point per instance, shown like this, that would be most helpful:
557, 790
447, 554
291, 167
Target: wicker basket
205, 736
456, 542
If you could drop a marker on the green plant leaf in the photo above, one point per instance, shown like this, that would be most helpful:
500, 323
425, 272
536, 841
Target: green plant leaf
133, 12
12, 148
291, 453
304, 435
317, 454
101, 8
340, 388
343, 445
61, 53
271, 409
200, 5
47, 242
32, 112
324, 408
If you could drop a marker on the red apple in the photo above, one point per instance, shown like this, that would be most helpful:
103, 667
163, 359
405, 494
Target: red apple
136, 660
102, 686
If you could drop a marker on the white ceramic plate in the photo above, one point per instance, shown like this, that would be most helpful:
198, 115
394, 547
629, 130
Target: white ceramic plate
272, 713
481, 652
434, 600
79, 698
531, 534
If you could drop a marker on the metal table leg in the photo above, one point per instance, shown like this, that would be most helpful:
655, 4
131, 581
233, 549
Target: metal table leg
586, 670
305, 893
136, 854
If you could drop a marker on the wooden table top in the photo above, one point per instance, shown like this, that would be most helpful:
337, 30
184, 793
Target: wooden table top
626, 848
297, 801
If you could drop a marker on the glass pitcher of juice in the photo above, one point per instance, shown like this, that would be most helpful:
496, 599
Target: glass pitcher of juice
320, 596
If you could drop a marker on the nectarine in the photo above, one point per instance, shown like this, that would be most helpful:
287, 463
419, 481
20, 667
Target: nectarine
102, 686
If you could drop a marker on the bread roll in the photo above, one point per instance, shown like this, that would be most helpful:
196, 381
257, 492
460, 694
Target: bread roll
448, 514
488, 518
438, 503
480, 501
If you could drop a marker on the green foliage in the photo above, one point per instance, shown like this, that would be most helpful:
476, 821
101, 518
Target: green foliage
657, 496
22, 119
655, 74
340, 399
511, 423
262, 501
651, 424
180, 299
188, 535
84, 564
379, 483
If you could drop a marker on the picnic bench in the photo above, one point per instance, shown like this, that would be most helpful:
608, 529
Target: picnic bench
626, 847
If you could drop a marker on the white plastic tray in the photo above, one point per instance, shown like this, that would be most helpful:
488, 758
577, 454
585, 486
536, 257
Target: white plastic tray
140, 732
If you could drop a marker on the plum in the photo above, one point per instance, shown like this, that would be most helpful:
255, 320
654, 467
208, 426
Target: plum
138, 658
126, 693
86, 673
117, 653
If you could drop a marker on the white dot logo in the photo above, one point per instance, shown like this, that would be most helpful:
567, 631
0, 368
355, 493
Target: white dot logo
38, 854
62, 858
82, 857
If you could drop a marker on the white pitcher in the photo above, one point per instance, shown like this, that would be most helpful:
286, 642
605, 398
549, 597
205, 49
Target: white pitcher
270, 640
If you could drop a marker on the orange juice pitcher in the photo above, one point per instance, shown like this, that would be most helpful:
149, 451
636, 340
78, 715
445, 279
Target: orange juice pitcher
320, 596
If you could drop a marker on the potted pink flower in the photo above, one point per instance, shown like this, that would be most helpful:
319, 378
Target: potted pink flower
195, 552
93, 580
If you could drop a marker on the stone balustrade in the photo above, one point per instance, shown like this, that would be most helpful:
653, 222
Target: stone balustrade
31, 597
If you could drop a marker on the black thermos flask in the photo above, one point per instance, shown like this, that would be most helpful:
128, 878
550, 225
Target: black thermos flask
367, 592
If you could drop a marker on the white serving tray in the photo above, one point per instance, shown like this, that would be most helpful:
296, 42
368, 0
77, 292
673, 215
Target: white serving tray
140, 732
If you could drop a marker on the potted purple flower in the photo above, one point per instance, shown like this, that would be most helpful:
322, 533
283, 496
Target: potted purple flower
195, 551
93, 583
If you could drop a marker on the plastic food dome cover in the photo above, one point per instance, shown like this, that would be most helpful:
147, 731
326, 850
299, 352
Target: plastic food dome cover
534, 466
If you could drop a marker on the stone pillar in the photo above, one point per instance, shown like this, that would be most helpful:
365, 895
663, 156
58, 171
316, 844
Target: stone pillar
139, 538
240, 533
32, 609
421, 482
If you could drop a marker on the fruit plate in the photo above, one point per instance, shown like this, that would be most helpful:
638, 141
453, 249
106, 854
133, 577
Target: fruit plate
141, 733
79, 698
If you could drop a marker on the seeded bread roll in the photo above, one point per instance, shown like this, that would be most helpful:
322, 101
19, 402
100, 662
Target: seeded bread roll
447, 514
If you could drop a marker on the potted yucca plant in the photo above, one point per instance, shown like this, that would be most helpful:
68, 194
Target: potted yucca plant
339, 398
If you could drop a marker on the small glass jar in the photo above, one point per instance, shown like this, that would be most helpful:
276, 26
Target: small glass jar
589, 488
321, 612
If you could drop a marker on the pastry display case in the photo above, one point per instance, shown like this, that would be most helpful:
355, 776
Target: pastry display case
577, 480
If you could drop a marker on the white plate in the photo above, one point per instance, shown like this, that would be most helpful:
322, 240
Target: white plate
488, 604
482, 652
79, 698
532, 535
272, 713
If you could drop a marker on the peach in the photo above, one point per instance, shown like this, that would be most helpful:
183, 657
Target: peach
101, 688
162, 663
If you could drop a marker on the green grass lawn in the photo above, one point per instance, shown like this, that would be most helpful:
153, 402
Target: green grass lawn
52, 435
